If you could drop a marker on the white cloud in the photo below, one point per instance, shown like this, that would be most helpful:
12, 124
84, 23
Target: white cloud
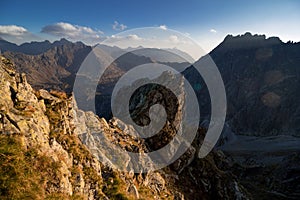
163, 27
118, 38
213, 30
134, 37
17, 34
12, 30
73, 32
174, 39
118, 27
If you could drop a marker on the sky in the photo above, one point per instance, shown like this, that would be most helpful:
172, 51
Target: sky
206, 22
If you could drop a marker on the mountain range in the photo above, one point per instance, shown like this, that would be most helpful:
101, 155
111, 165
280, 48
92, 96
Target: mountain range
261, 76
262, 82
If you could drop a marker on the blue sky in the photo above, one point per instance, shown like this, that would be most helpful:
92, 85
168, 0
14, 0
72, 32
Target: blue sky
207, 22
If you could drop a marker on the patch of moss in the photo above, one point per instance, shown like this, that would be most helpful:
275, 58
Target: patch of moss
23, 171
114, 187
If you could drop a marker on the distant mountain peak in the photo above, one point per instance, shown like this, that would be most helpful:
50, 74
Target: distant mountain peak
249, 40
34, 47
64, 40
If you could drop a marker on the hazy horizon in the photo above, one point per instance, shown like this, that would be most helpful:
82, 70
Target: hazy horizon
206, 22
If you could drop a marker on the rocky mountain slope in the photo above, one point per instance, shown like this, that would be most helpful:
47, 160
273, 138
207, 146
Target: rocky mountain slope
262, 82
261, 77
42, 156
52, 68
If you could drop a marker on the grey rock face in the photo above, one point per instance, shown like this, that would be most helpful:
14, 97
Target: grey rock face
262, 82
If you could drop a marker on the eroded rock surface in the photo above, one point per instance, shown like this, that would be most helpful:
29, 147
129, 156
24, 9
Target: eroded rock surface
49, 131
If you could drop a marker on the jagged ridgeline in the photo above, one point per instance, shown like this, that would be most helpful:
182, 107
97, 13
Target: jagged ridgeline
261, 75
42, 157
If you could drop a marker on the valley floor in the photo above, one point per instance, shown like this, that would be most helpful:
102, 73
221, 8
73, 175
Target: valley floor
268, 167
268, 150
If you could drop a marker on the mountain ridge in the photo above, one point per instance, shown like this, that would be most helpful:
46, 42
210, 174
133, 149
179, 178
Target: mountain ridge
31, 48
259, 77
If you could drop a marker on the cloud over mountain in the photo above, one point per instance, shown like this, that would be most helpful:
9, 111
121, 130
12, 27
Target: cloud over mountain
174, 39
12, 30
73, 32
